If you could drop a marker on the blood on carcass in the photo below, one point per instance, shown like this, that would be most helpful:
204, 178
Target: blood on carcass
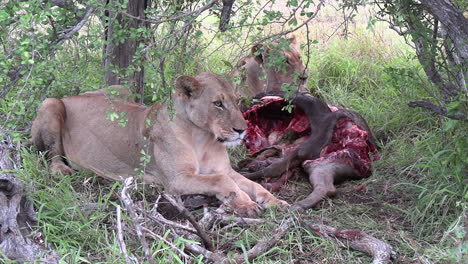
346, 153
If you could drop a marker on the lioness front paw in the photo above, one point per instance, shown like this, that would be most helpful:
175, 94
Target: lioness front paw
268, 200
246, 208
60, 168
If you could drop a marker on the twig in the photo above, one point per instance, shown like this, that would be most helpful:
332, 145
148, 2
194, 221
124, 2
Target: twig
201, 233
175, 18
120, 239
131, 211
238, 220
154, 235
266, 242
319, 6
77, 27
357, 240
156, 216
209, 255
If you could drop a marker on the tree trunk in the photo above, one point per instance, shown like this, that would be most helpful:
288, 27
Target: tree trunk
118, 54
454, 22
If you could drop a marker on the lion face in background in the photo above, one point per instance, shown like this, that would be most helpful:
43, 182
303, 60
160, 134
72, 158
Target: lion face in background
283, 65
271, 67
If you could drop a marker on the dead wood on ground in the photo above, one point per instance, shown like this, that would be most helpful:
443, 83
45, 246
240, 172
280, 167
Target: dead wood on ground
17, 216
380, 251
200, 228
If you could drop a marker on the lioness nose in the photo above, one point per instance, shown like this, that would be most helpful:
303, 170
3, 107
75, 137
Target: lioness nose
240, 131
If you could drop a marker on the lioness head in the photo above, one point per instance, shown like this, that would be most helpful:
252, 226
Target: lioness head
282, 65
209, 102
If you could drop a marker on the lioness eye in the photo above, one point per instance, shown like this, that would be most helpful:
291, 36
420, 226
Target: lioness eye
218, 103
288, 62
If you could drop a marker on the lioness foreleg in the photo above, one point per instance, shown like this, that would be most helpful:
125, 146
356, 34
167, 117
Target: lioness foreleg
223, 187
46, 133
256, 192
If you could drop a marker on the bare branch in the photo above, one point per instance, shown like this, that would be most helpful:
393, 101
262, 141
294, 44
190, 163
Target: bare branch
201, 233
172, 246
89, 11
357, 240
174, 18
209, 255
131, 211
265, 243
319, 6
120, 239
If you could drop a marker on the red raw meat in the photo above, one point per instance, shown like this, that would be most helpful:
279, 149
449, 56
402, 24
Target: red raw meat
268, 122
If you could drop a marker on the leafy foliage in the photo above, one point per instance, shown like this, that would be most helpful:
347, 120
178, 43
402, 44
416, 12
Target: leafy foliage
418, 192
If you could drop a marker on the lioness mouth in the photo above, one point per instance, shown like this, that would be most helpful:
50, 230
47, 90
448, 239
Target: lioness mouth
230, 143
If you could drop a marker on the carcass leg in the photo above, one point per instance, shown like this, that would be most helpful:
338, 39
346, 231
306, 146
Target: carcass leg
322, 177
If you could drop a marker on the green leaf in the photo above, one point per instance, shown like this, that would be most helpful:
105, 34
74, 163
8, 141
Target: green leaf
292, 3
293, 22
453, 106
449, 125
227, 63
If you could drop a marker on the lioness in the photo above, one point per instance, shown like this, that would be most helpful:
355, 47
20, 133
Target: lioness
188, 150
261, 71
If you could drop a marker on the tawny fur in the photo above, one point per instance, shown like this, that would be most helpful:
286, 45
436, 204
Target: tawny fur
187, 150
257, 73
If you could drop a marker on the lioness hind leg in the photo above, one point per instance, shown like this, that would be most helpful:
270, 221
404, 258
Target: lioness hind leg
222, 186
257, 192
46, 134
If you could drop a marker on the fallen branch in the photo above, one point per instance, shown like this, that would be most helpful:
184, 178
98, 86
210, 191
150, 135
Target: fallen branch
172, 246
156, 216
241, 221
17, 212
131, 211
380, 251
201, 233
214, 257
265, 243
120, 239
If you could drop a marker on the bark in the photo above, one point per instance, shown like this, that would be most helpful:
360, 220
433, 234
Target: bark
437, 109
454, 22
380, 251
17, 213
225, 14
119, 56
426, 53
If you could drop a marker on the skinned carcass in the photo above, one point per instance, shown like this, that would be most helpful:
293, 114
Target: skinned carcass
331, 144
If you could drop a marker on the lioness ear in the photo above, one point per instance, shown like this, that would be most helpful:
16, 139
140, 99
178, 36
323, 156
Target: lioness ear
294, 42
188, 87
258, 53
